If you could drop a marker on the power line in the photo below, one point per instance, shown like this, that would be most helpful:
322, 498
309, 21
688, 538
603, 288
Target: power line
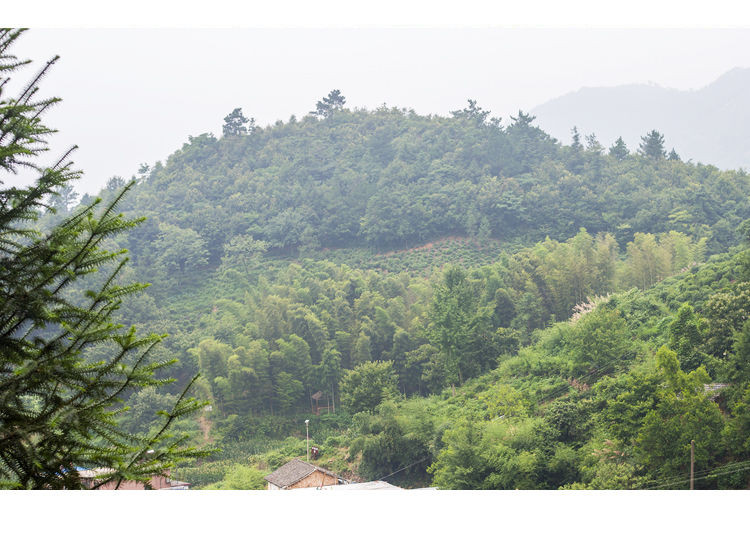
673, 480
697, 478
704, 471
402, 469
718, 473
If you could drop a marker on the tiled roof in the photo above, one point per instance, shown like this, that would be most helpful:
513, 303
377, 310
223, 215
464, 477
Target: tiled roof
367, 486
293, 471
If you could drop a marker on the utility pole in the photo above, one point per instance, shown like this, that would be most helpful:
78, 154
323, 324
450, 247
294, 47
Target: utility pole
692, 465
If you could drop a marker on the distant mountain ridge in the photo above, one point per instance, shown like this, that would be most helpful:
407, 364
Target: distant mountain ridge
709, 125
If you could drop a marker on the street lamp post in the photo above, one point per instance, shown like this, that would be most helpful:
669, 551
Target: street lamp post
307, 432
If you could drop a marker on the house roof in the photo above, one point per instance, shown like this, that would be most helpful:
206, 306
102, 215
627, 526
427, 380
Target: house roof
367, 486
293, 471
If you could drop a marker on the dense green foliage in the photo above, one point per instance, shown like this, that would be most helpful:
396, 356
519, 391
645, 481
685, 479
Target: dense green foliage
475, 305
390, 178
559, 414
586, 403
65, 365
306, 330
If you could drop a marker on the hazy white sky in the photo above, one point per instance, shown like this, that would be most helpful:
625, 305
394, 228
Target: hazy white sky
135, 95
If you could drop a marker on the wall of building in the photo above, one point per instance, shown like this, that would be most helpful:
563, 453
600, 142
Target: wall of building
315, 479
156, 483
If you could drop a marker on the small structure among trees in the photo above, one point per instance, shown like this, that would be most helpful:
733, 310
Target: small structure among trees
297, 474
317, 409
98, 479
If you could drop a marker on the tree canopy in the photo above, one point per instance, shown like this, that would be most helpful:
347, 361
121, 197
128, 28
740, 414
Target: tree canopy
65, 364
469, 304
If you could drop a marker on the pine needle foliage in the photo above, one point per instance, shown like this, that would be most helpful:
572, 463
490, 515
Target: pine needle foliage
59, 402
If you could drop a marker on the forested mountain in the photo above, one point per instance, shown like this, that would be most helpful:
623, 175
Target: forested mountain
431, 379
310, 258
708, 125
391, 179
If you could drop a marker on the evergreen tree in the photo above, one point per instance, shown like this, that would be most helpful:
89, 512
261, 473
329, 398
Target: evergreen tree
594, 151
472, 113
234, 123
619, 150
64, 363
327, 106
575, 159
652, 145
593, 145
64, 199
576, 145
115, 184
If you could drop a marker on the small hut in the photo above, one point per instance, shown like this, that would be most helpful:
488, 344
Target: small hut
317, 409
297, 474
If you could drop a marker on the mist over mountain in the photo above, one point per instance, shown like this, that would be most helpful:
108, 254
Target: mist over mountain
708, 125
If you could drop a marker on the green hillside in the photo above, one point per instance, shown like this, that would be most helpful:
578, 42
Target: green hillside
391, 179
607, 400
421, 274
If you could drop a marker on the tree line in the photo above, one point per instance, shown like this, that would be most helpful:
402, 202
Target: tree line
391, 178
